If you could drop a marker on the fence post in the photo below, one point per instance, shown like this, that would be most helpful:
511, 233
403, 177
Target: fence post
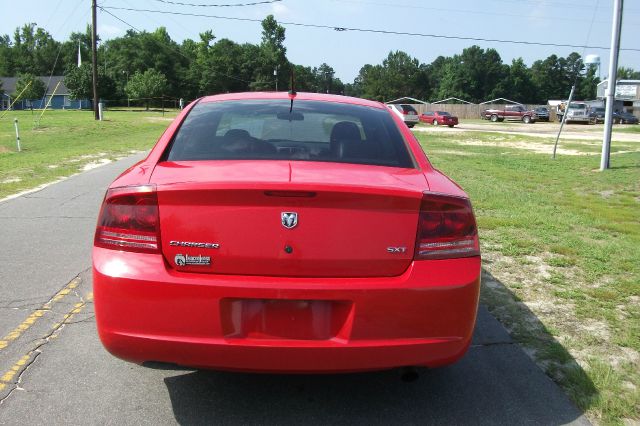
15, 123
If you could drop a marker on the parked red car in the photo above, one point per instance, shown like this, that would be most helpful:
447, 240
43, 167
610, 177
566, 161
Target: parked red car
439, 118
286, 233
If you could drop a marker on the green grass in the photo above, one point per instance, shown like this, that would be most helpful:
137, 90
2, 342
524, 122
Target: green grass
635, 128
65, 141
564, 238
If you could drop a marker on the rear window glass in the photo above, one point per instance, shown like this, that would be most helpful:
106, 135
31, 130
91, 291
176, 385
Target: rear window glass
444, 113
408, 108
267, 130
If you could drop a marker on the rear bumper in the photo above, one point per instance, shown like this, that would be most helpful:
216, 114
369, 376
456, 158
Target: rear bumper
411, 119
146, 312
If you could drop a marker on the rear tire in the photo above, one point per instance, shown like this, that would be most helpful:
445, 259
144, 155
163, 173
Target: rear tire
410, 125
451, 125
494, 118
435, 122
526, 119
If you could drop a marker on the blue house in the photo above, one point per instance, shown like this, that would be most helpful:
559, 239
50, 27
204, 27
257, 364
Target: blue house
60, 100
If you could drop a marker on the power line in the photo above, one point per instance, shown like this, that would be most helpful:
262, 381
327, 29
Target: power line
255, 3
431, 8
371, 30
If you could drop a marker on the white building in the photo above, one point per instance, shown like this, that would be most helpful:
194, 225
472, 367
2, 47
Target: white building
627, 95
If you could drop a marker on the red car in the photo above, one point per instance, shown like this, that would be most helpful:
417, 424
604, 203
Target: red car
270, 232
439, 118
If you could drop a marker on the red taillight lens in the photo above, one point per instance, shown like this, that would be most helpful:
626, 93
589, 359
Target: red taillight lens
129, 220
446, 228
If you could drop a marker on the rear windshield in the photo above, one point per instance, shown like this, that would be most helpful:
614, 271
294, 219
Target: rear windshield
444, 113
267, 130
408, 109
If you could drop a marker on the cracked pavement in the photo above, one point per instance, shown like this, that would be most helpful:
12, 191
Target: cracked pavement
56, 371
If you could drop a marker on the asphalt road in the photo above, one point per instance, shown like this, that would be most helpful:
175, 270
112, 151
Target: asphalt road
53, 369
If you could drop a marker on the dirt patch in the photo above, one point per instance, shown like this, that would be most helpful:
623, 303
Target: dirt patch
4, 149
538, 148
94, 164
523, 299
11, 180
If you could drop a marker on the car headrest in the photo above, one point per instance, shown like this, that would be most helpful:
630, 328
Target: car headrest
345, 131
237, 134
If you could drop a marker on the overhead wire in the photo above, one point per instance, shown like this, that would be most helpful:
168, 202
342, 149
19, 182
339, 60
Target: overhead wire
432, 8
370, 30
255, 3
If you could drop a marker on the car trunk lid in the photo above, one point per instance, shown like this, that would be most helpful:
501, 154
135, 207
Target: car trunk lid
288, 218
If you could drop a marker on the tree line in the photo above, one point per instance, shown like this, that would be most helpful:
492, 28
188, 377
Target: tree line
151, 64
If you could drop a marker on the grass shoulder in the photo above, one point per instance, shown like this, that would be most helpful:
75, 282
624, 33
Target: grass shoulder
560, 245
67, 142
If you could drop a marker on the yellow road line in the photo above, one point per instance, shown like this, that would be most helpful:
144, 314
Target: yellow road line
38, 313
8, 377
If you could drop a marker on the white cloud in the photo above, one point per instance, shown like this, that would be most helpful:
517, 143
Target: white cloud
280, 10
537, 17
108, 31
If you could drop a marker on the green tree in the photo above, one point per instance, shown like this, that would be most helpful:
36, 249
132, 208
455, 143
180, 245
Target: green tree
150, 84
138, 51
554, 76
324, 77
79, 81
398, 75
587, 86
6, 56
473, 75
69, 50
305, 79
35, 90
517, 84
272, 57
35, 51
625, 73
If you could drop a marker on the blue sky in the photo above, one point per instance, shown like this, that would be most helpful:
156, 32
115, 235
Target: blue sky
547, 21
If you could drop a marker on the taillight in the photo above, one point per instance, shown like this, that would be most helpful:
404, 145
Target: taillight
129, 220
446, 228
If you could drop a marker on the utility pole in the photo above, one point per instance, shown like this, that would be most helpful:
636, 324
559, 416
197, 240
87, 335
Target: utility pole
94, 59
610, 94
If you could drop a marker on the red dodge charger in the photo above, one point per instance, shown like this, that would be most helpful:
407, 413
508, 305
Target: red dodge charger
439, 118
276, 232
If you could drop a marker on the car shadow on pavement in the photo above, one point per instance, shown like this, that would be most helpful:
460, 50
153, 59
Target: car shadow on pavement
495, 383
528, 331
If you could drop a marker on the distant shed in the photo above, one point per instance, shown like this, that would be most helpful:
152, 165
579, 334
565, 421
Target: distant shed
627, 94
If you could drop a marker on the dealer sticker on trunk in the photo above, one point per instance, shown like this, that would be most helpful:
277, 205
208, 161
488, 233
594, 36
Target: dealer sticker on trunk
186, 260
